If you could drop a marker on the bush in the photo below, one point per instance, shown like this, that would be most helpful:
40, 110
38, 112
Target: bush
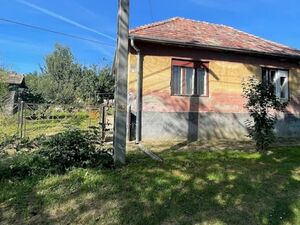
262, 103
74, 148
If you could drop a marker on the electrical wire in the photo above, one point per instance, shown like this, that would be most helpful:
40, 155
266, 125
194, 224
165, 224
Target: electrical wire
55, 32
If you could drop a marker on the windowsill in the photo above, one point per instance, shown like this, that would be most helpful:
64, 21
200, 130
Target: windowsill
195, 96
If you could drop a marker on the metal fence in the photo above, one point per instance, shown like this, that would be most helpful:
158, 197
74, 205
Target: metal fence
26, 120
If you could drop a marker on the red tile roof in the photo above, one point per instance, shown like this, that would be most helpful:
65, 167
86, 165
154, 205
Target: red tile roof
210, 35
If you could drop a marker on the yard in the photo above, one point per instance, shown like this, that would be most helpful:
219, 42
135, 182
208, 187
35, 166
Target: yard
189, 187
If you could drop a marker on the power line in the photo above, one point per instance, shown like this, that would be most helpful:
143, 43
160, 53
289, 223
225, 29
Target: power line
151, 11
55, 32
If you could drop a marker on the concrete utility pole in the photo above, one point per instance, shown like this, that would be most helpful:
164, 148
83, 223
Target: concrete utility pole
121, 84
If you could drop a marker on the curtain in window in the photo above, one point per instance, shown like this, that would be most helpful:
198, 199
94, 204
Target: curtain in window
176, 80
200, 82
189, 84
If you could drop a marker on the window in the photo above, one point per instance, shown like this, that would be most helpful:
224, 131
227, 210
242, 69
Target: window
189, 78
279, 78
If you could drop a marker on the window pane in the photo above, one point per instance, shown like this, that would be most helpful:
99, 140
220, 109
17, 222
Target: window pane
272, 76
189, 74
282, 87
281, 82
176, 80
201, 81
264, 76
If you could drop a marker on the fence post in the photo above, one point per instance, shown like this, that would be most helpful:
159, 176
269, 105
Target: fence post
103, 123
21, 119
128, 122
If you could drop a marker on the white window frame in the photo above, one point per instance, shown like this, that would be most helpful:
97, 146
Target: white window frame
279, 73
282, 74
194, 89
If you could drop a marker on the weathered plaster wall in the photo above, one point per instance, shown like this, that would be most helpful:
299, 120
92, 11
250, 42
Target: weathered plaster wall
219, 115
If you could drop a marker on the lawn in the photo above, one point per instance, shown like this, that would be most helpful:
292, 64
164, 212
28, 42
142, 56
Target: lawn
189, 187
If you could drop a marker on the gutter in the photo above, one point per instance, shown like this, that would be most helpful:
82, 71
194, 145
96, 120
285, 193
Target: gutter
138, 93
216, 48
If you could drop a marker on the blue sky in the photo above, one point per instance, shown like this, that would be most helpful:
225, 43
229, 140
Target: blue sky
23, 50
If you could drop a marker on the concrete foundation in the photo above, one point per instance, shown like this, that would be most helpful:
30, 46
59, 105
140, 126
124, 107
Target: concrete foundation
193, 126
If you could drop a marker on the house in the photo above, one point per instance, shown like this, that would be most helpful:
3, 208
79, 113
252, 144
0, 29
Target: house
16, 81
185, 80
16, 85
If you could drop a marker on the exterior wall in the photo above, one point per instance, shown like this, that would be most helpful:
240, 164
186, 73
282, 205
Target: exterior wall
221, 114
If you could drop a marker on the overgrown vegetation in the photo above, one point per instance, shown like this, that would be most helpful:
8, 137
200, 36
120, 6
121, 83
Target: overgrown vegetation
62, 80
3, 88
55, 154
262, 104
74, 148
23, 165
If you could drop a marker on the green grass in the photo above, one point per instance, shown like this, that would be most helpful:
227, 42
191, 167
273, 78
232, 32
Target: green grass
189, 187
36, 128
8, 126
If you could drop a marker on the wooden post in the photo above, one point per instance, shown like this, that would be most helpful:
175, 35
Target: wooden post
121, 84
128, 122
21, 127
103, 123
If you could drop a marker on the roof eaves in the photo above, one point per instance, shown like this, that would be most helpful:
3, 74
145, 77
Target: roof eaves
212, 47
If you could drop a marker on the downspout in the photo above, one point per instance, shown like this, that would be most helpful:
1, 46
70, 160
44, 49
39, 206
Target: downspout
138, 93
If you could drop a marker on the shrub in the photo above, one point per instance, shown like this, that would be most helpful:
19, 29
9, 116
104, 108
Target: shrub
262, 103
74, 148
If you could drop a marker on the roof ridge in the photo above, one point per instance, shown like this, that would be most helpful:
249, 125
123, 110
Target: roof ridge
155, 24
201, 21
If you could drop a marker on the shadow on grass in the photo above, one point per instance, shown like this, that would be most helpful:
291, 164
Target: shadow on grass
190, 187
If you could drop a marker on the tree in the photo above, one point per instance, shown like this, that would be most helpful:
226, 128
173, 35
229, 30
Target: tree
262, 104
63, 80
3, 88
88, 85
59, 64
106, 83
34, 92
61, 74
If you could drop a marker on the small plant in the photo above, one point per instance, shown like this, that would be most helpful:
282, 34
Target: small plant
262, 104
74, 148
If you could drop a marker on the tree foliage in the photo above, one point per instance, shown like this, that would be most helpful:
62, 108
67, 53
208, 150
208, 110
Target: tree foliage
63, 80
262, 104
3, 87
